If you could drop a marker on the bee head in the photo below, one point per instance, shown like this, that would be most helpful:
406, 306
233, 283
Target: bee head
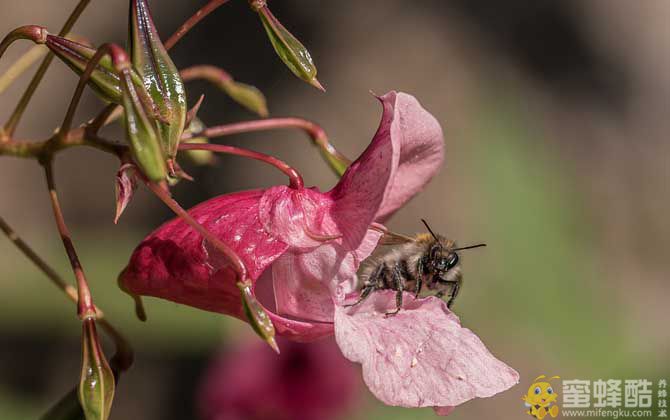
443, 258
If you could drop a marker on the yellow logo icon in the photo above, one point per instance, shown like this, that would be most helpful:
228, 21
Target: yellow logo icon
541, 398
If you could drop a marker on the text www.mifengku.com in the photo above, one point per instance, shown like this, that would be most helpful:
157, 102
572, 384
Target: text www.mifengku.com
609, 413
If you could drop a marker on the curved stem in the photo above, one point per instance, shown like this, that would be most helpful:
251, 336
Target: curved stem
212, 74
85, 308
295, 179
236, 262
124, 353
22, 64
192, 21
35, 33
10, 125
337, 160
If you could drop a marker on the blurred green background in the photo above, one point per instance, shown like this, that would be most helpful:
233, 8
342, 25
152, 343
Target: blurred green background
556, 124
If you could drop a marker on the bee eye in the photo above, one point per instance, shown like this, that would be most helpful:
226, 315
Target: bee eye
538, 391
452, 260
550, 391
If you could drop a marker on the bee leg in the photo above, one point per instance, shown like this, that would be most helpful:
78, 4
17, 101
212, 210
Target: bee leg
417, 288
364, 294
419, 280
398, 285
454, 293
375, 281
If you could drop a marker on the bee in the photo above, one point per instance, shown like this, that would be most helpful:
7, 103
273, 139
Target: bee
412, 263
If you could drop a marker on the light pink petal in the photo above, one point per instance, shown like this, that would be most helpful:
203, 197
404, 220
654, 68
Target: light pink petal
419, 144
421, 357
297, 217
360, 193
307, 283
175, 263
125, 186
298, 292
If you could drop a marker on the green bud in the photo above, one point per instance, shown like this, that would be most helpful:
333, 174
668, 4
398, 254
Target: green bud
198, 157
288, 48
159, 74
246, 95
258, 318
141, 131
104, 79
96, 386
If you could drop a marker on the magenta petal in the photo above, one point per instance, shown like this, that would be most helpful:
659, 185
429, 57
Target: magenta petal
360, 193
405, 153
418, 141
421, 357
175, 263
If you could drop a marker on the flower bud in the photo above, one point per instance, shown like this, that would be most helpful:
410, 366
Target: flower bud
258, 318
159, 74
96, 386
141, 131
288, 48
125, 186
104, 79
198, 157
246, 95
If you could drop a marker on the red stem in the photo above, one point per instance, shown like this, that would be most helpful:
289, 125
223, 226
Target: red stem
294, 177
316, 133
85, 307
235, 260
208, 72
10, 125
192, 21
123, 358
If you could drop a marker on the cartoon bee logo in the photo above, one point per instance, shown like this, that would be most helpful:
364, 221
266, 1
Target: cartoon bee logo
541, 399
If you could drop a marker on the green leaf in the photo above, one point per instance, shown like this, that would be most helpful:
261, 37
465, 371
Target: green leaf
96, 386
159, 74
141, 131
289, 49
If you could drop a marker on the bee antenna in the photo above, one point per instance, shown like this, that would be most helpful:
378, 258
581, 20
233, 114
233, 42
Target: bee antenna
431, 231
469, 247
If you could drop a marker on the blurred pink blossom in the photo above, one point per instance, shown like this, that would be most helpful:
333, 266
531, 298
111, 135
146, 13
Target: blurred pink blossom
306, 382
311, 244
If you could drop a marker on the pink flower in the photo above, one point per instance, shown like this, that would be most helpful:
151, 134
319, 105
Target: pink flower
311, 244
306, 382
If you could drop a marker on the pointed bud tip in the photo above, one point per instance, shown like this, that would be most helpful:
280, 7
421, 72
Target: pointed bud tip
273, 344
315, 82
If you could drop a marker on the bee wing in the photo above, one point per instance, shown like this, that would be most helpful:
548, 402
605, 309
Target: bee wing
391, 238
